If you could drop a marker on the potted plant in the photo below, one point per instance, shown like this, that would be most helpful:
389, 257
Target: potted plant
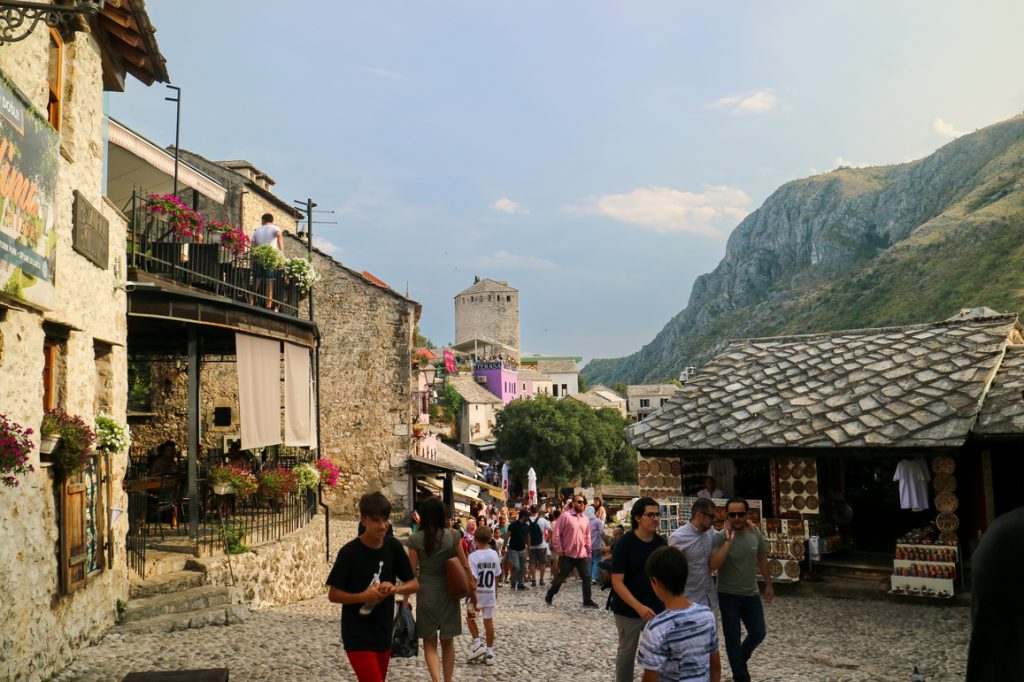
328, 472
185, 221
111, 436
232, 238
76, 442
277, 482
267, 257
301, 271
231, 479
307, 476
418, 429
15, 446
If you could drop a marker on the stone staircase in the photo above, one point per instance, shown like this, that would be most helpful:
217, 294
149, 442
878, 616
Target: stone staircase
177, 599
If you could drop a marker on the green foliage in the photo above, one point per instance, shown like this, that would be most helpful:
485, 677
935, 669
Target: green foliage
267, 257
233, 531
76, 441
452, 397
565, 441
420, 341
581, 383
619, 388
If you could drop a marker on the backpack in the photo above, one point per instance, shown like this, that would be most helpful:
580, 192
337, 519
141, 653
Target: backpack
536, 534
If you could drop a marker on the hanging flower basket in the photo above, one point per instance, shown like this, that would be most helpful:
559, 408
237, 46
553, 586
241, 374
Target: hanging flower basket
222, 489
48, 445
76, 442
15, 446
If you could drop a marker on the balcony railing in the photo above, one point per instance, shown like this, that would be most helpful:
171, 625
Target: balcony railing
202, 263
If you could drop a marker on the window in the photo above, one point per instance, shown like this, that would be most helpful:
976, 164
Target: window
645, 402
49, 375
104, 389
663, 401
53, 78
554, 387
508, 299
565, 389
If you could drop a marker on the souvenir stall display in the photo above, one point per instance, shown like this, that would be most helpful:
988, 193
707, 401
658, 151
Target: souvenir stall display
795, 485
786, 540
669, 510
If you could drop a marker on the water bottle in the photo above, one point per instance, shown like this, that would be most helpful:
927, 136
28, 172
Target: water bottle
366, 609
917, 675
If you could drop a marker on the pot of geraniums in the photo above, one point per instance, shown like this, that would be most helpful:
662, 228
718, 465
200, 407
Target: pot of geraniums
267, 257
76, 440
302, 272
232, 479
186, 222
328, 472
418, 429
15, 446
111, 435
276, 483
232, 238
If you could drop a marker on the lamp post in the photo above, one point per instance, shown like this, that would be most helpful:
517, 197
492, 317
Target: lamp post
23, 16
177, 131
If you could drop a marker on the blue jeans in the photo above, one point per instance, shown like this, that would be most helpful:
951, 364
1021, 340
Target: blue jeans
748, 610
517, 560
595, 559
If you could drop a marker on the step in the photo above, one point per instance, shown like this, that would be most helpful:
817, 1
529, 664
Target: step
192, 599
160, 562
172, 622
165, 583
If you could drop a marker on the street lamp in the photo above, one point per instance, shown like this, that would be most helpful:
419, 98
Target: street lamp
429, 374
23, 16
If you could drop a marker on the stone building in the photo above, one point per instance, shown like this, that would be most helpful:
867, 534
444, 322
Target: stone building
599, 397
564, 375
488, 311
643, 399
477, 417
63, 327
532, 383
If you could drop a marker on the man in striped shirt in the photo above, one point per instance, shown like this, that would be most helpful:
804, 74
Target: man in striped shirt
680, 644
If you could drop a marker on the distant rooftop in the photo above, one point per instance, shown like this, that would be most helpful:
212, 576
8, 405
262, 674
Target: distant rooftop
485, 285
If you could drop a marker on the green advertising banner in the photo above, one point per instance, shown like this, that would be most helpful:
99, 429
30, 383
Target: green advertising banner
29, 163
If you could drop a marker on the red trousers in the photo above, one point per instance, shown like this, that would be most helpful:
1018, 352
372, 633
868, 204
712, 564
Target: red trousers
369, 666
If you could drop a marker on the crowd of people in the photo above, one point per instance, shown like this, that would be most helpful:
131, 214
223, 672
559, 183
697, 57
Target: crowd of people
660, 590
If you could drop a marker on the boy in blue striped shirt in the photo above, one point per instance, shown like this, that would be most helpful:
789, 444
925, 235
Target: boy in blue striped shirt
680, 644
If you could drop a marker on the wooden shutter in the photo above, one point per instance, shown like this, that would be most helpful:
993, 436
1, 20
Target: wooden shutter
73, 536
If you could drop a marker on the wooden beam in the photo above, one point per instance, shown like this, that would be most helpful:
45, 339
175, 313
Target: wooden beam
124, 34
118, 15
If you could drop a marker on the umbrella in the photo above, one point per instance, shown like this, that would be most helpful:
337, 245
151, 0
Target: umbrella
531, 478
504, 480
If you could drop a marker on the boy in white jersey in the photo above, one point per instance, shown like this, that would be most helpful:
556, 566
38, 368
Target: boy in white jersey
485, 565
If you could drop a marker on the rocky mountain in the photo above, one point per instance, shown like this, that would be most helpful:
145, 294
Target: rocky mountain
858, 247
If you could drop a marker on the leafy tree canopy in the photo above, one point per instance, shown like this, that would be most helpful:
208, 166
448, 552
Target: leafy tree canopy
564, 441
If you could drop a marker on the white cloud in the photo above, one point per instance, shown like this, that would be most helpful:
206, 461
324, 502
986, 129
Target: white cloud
946, 129
383, 73
508, 206
757, 102
664, 209
328, 247
509, 261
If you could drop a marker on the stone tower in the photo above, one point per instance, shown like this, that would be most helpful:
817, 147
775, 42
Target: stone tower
489, 309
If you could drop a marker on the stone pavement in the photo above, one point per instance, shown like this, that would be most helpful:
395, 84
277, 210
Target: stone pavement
810, 638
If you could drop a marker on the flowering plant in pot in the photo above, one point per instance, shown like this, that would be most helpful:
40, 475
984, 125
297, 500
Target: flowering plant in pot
15, 446
267, 257
307, 476
111, 436
232, 238
277, 482
76, 440
328, 472
302, 272
231, 479
185, 221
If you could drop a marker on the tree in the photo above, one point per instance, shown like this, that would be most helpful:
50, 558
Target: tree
565, 441
619, 388
581, 383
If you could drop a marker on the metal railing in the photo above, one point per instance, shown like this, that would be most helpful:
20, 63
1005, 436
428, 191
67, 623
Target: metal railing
203, 263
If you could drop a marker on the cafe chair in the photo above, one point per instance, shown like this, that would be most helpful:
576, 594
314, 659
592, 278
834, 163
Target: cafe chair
167, 498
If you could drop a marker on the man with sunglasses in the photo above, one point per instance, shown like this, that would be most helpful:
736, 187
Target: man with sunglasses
737, 553
694, 541
570, 537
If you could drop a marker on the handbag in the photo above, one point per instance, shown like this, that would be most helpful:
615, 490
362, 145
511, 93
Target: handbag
458, 582
403, 640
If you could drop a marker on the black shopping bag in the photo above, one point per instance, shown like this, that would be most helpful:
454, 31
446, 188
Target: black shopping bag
403, 641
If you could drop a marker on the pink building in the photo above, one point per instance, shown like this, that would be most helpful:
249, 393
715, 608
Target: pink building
498, 378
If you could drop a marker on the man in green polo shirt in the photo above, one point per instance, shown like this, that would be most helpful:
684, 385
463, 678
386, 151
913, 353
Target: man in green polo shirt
736, 554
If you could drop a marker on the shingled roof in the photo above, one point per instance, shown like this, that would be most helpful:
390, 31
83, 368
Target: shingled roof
904, 387
1003, 410
473, 392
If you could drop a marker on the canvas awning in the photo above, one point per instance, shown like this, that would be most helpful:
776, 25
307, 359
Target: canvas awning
495, 492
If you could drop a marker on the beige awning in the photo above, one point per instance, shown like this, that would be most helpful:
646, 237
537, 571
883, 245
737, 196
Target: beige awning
495, 491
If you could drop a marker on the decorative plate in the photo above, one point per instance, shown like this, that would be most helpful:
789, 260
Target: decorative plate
775, 567
798, 487
944, 482
799, 503
644, 467
660, 481
812, 502
784, 472
946, 501
810, 471
811, 487
792, 569
948, 537
947, 521
944, 465
785, 487
798, 470
796, 548
676, 469
785, 502
795, 527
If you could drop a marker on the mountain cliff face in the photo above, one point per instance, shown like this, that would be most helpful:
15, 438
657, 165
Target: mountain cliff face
860, 247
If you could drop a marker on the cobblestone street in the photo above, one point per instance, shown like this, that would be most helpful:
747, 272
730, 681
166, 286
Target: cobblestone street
810, 637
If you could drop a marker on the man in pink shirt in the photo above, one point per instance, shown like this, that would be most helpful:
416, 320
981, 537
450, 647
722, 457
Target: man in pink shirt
570, 537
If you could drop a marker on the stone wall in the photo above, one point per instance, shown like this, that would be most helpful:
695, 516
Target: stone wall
498, 318
42, 627
281, 572
366, 381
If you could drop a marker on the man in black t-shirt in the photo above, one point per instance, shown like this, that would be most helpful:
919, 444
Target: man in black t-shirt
363, 581
634, 602
515, 549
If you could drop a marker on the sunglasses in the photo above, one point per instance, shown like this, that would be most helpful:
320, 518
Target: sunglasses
581, 501
652, 515
737, 515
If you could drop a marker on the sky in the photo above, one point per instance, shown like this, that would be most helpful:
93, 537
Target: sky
594, 154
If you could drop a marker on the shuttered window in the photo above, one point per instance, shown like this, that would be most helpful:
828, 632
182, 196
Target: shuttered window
74, 554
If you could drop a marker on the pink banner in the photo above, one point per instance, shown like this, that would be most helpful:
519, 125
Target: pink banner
449, 361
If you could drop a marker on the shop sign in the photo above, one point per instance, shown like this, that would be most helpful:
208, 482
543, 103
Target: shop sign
29, 164
90, 232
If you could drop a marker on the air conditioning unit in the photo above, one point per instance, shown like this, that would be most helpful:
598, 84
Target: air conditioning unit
481, 379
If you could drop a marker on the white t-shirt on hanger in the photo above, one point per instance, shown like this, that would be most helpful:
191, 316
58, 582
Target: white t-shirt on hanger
913, 478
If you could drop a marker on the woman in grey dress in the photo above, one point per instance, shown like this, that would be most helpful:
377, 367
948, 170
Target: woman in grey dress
436, 613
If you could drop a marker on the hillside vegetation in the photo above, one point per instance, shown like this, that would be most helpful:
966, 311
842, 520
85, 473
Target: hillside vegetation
858, 247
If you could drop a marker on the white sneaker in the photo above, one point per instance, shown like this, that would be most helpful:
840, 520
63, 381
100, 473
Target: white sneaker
489, 660
476, 651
